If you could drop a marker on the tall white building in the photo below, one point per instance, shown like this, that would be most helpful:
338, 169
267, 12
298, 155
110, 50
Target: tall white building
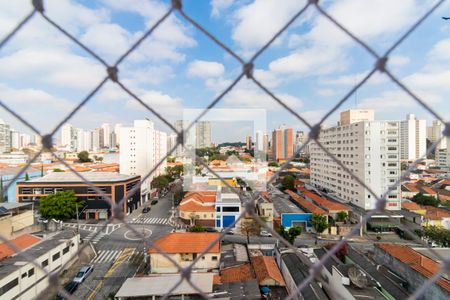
97, 139
203, 134
106, 135
434, 133
87, 140
141, 147
370, 150
300, 139
25, 140
15, 139
117, 133
413, 141
68, 134
171, 142
5, 137
259, 140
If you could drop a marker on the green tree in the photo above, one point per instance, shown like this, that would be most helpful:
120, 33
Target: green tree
425, 200
273, 164
291, 234
218, 156
61, 205
288, 183
319, 223
27, 177
197, 228
438, 234
341, 216
160, 182
83, 156
58, 170
250, 227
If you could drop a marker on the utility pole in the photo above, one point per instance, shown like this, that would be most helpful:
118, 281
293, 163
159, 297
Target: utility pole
78, 224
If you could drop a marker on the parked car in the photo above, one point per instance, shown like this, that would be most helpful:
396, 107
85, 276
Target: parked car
70, 289
231, 231
154, 202
83, 273
208, 229
265, 233
146, 210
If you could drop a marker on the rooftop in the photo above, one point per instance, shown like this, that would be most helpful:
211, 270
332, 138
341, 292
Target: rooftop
266, 267
161, 284
310, 207
325, 203
411, 206
416, 260
282, 204
246, 289
94, 177
187, 242
237, 273
22, 242
14, 205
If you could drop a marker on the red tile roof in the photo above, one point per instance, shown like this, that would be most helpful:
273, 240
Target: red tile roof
22, 242
419, 262
411, 206
193, 206
237, 273
434, 213
187, 242
203, 196
266, 268
305, 203
325, 203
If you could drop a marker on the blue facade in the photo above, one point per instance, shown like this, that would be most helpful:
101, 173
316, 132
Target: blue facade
11, 193
304, 220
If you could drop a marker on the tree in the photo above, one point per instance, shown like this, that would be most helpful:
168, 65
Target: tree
438, 234
273, 164
425, 200
250, 227
319, 223
83, 156
288, 183
197, 228
27, 177
178, 196
341, 216
218, 156
58, 170
160, 182
61, 205
291, 234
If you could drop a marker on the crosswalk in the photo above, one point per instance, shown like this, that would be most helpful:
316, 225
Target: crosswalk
110, 228
154, 221
106, 256
94, 240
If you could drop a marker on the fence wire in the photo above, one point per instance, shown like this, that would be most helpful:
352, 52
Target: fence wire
112, 74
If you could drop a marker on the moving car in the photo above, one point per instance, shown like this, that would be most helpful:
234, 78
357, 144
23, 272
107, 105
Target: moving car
70, 289
83, 273
265, 233
146, 210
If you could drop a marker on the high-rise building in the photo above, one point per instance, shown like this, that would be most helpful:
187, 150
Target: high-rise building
97, 139
87, 140
266, 143
117, 132
248, 143
282, 143
203, 134
15, 139
370, 150
434, 133
141, 148
300, 139
356, 115
106, 135
413, 142
25, 140
68, 134
79, 137
5, 137
171, 142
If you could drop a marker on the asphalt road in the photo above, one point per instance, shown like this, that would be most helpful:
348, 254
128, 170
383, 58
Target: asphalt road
120, 253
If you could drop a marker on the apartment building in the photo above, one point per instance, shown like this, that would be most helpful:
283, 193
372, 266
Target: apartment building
203, 134
413, 141
282, 143
142, 147
434, 133
443, 157
5, 137
369, 149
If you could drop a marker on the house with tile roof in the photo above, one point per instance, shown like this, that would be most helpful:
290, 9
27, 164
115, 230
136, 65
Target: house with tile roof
183, 248
416, 267
411, 189
198, 208
266, 271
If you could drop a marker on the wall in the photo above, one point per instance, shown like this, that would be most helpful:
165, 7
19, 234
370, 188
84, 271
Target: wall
160, 264
288, 219
415, 279
22, 220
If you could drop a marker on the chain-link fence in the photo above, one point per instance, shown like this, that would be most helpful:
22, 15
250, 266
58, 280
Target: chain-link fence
112, 74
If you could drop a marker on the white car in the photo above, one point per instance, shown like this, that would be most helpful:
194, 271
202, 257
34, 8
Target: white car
265, 233
83, 273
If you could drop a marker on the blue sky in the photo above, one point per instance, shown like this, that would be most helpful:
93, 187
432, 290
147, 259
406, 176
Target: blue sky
311, 66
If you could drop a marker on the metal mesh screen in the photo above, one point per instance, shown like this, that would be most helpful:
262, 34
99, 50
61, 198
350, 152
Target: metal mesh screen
380, 64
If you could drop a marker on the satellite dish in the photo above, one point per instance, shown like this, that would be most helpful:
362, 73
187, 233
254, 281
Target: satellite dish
357, 277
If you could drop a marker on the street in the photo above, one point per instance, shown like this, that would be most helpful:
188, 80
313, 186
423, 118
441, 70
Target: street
119, 251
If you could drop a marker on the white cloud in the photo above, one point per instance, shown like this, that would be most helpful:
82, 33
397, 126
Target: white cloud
353, 79
168, 106
219, 5
440, 51
392, 100
205, 69
398, 60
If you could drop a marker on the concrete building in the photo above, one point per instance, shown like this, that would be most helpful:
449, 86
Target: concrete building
106, 135
413, 141
68, 135
115, 186
282, 143
141, 148
248, 143
117, 133
25, 140
434, 133
5, 137
228, 208
198, 208
183, 248
14, 158
15, 218
356, 115
203, 134
87, 140
15, 139
300, 139
369, 149
19, 278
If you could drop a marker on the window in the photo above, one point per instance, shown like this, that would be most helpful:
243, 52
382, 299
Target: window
214, 258
230, 209
45, 263
4, 289
30, 272
65, 250
55, 256
24, 275
392, 148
